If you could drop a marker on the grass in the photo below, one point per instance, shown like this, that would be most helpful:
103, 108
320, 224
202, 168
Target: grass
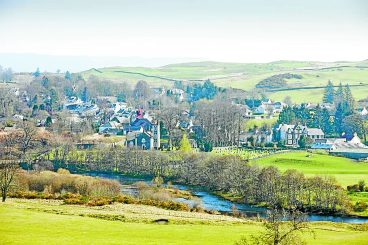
251, 123
346, 171
247, 75
40, 222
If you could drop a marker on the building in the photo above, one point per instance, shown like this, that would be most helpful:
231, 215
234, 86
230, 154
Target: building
290, 134
144, 141
352, 149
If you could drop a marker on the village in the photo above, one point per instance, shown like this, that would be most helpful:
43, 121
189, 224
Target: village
110, 120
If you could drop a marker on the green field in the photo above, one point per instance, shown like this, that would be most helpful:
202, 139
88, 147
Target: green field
346, 171
247, 75
48, 222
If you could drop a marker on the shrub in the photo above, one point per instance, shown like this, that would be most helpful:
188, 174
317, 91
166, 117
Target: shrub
124, 199
361, 185
75, 201
360, 206
105, 188
99, 201
353, 188
62, 171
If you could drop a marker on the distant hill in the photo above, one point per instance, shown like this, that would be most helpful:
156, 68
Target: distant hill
307, 88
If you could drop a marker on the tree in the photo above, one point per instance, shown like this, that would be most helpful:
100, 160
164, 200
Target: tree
170, 117
185, 144
48, 121
327, 126
141, 92
339, 96
339, 115
45, 82
329, 94
68, 76
8, 169
353, 124
349, 101
6, 75
37, 73
278, 231
85, 95
304, 141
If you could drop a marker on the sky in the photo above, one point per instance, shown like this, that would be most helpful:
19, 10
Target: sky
155, 32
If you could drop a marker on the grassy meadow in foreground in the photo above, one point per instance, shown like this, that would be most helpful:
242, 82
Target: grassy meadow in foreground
346, 171
42, 222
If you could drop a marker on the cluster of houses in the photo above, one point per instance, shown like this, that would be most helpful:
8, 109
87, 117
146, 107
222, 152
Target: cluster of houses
140, 129
261, 109
291, 135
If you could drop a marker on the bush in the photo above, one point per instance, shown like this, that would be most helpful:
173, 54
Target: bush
124, 199
353, 188
99, 201
75, 201
105, 188
360, 206
62, 171
361, 185
63, 181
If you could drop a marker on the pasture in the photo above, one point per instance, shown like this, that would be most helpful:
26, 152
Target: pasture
346, 171
246, 75
47, 222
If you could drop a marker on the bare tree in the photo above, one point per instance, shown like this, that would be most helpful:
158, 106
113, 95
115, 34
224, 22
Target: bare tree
8, 169
27, 136
170, 117
281, 227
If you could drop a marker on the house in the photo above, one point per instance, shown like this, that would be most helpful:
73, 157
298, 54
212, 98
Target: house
364, 112
256, 137
112, 128
72, 103
269, 107
140, 140
120, 119
290, 134
143, 125
120, 106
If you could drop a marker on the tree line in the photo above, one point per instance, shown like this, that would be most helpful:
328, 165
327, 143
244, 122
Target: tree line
225, 174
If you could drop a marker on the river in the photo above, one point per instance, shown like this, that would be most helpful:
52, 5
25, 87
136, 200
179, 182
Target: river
211, 201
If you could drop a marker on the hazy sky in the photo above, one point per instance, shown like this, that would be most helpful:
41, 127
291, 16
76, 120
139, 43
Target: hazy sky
222, 30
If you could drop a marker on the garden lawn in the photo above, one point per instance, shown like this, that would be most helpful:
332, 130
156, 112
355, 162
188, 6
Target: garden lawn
346, 171
20, 225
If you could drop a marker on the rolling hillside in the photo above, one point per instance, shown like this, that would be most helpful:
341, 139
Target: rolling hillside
245, 76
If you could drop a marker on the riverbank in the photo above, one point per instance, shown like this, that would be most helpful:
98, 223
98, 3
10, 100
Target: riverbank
49, 221
226, 202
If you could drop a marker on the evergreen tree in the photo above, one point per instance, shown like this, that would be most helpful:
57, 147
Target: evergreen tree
348, 101
37, 73
340, 95
317, 119
327, 126
85, 95
48, 121
45, 82
185, 144
339, 115
54, 98
353, 124
68, 76
329, 94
